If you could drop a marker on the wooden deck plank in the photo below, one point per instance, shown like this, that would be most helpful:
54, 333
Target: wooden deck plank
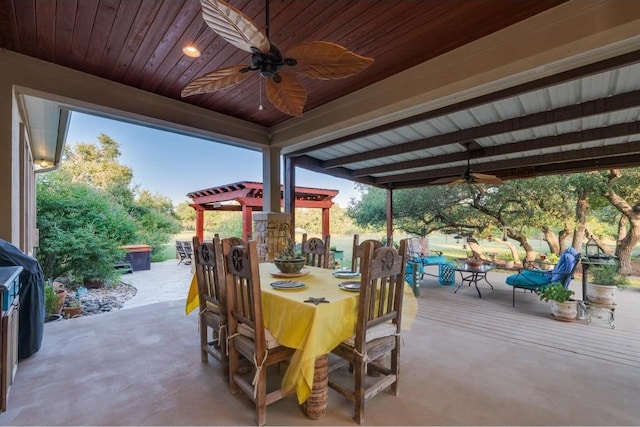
529, 323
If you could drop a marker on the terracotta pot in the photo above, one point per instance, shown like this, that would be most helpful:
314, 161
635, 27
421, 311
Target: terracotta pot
601, 294
565, 311
71, 312
61, 294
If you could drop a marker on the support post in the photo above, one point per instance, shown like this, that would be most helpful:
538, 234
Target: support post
390, 217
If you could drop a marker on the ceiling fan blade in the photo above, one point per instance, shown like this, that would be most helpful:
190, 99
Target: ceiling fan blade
216, 80
233, 26
481, 178
457, 182
326, 60
445, 180
288, 95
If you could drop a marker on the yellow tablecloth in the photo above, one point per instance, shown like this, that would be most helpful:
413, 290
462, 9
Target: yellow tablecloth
313, 329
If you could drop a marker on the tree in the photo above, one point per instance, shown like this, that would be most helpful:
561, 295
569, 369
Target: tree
98, 167
620, 188
186, 215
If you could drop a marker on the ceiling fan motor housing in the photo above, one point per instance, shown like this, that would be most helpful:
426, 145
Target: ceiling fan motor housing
268, 63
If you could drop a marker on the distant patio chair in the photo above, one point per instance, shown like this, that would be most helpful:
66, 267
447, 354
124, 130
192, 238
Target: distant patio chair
185, 251
316, 252
536, 279
419, 253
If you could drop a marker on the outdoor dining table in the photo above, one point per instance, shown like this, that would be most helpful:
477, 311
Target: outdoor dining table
313, 329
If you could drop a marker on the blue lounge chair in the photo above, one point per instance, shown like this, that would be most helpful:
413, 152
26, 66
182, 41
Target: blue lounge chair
535, 279
418, 252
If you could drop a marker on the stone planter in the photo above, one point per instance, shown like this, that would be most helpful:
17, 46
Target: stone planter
564, 311
601, 294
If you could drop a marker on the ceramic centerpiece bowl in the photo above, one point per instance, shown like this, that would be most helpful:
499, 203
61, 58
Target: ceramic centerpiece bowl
289, 265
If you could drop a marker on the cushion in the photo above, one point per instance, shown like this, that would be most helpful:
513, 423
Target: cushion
413, 247
434, 260
247, 331
214, 308
565, 265
423, 244
530, 279
379, 331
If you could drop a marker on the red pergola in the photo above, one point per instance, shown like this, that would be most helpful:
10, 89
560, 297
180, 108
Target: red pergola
246, 196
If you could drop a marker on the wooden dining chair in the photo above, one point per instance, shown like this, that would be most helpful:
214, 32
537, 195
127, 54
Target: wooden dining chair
247, 335
212, 318
317, 252
358, 250
377, 333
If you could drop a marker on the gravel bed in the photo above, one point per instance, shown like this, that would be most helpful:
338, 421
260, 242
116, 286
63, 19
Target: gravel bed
101, 300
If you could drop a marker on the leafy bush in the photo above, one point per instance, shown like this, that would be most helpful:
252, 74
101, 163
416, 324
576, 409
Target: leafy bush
154, 228
81, 230
50, 299
608, 275
555, 292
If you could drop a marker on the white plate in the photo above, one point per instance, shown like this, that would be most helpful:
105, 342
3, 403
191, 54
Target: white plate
346, 274
350, 286
278, 273
287, 284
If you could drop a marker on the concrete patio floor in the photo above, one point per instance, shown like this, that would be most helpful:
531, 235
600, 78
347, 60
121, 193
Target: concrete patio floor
466, 361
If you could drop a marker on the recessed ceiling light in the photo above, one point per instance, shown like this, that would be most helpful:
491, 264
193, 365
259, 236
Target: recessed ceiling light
191, 51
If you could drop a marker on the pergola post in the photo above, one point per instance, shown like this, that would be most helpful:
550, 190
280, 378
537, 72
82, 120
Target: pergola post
325, 222
247, 222
199, 222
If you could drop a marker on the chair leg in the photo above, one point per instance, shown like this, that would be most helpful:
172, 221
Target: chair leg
395, 367
204, 356
261, 397
234, 365
358, 397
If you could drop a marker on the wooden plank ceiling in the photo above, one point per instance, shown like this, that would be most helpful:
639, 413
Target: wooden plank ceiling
583, 119
138, 42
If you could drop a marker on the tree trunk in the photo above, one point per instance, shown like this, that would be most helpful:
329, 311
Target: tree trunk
476, 249
582, 212
623, 224
562, 237
551, 239
625, 247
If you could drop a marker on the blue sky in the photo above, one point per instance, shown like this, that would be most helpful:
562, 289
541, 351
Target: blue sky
174, 165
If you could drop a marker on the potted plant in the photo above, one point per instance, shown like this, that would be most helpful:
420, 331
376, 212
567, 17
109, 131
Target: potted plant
508, 258
72, 309
601, 289
562, 306
289, 261
54, 296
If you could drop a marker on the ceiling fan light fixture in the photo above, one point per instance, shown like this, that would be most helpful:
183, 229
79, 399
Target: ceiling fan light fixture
315, 59
191, 51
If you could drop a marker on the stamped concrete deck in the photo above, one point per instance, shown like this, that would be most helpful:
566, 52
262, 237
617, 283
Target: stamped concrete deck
466, 361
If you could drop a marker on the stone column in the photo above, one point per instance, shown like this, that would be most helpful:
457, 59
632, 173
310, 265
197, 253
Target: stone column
270, 231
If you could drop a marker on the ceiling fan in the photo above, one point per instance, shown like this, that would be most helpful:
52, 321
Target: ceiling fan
468, 176
316, 59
